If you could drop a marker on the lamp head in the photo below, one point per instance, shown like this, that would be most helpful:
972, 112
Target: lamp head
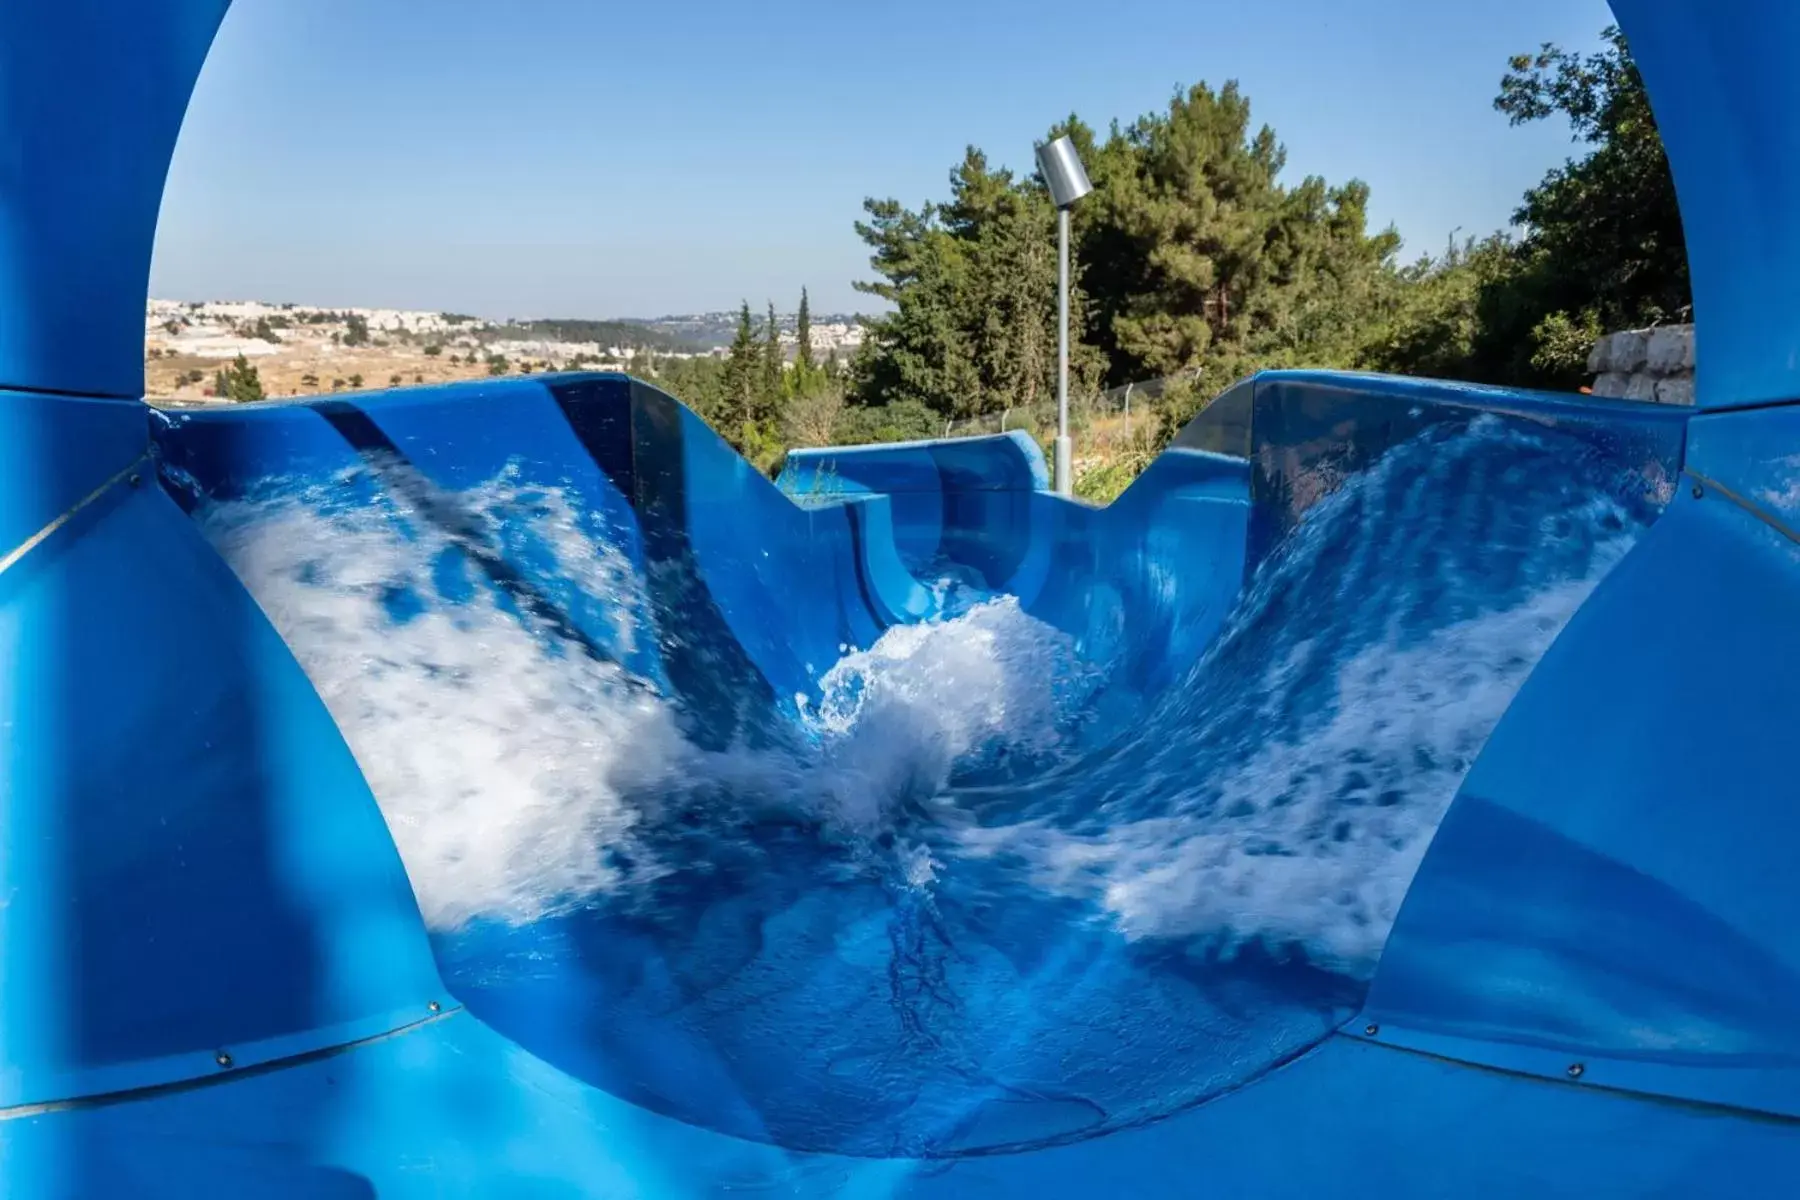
1063, 172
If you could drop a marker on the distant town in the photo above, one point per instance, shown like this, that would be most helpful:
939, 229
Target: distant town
302, 350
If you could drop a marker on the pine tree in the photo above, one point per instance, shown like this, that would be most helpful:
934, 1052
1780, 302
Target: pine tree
738, 403
769, 399
973, 285
803, 359
239, 382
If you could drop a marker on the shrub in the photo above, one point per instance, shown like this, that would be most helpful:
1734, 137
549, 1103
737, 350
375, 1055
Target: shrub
239, 382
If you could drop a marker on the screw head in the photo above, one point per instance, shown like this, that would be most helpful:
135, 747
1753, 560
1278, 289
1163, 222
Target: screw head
136, 480
434, 1006
1577, 1070
1371, 1029
1699, 491
222, 1058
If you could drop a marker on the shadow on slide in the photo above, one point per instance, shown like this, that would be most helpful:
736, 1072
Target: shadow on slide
912, 838
1028, 822
505, 790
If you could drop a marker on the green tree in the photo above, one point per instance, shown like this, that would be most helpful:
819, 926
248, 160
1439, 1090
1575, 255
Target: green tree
356, 381
1206, 263
901, 421
239, 382
807, 380
433, 349
803, 354
773, 366
972, 283
743, 367
697, 382
497, 364
1603, 247
1428, 318
356, 329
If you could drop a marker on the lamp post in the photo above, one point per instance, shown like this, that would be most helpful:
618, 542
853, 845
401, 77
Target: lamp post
1068, 182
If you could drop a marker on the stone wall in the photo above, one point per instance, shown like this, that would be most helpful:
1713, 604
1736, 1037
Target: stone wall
1646, 364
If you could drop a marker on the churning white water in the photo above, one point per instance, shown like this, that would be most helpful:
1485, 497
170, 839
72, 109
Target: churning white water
967, 890
514, 770
1282, 792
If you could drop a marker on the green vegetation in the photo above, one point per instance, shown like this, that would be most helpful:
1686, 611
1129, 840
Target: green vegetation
1195, 259
609, 334
356, 329
238, 382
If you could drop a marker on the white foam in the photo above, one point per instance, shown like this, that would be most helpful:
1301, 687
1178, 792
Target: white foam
896, 718
519, 776
513, 772
1301, 828
500, 763
1263, 862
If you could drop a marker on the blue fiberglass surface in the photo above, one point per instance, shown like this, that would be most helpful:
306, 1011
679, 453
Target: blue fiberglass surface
92, 93
951, 499
491, 1120
1615, 884
194, 865
695, 821
901, 846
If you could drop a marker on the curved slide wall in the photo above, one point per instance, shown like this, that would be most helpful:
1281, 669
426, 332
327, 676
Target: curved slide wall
213, 975
685, 507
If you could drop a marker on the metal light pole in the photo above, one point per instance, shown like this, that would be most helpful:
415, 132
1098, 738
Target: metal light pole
1068, 182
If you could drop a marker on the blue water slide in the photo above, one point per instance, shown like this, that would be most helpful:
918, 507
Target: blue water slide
504, 789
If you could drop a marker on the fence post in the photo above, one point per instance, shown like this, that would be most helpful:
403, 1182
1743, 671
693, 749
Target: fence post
1128, 388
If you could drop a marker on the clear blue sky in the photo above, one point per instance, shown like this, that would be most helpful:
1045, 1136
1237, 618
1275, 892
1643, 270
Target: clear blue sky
582, 158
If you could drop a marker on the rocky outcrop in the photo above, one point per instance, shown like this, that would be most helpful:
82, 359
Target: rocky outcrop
1645, 364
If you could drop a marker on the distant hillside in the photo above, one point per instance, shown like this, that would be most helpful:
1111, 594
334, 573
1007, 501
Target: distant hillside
715, 330
624, 334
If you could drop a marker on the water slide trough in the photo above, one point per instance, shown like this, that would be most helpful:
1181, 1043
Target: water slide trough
504, 790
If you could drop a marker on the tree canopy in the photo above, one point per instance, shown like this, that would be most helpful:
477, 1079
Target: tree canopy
239, 381
1198, 257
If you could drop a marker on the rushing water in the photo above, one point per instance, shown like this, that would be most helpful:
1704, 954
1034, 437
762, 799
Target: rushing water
943, 911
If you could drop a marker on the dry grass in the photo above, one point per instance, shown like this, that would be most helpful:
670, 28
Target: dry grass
287, 373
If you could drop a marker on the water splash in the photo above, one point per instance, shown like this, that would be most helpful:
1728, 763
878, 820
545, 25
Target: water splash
501, 759
1285, 790
943, 912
